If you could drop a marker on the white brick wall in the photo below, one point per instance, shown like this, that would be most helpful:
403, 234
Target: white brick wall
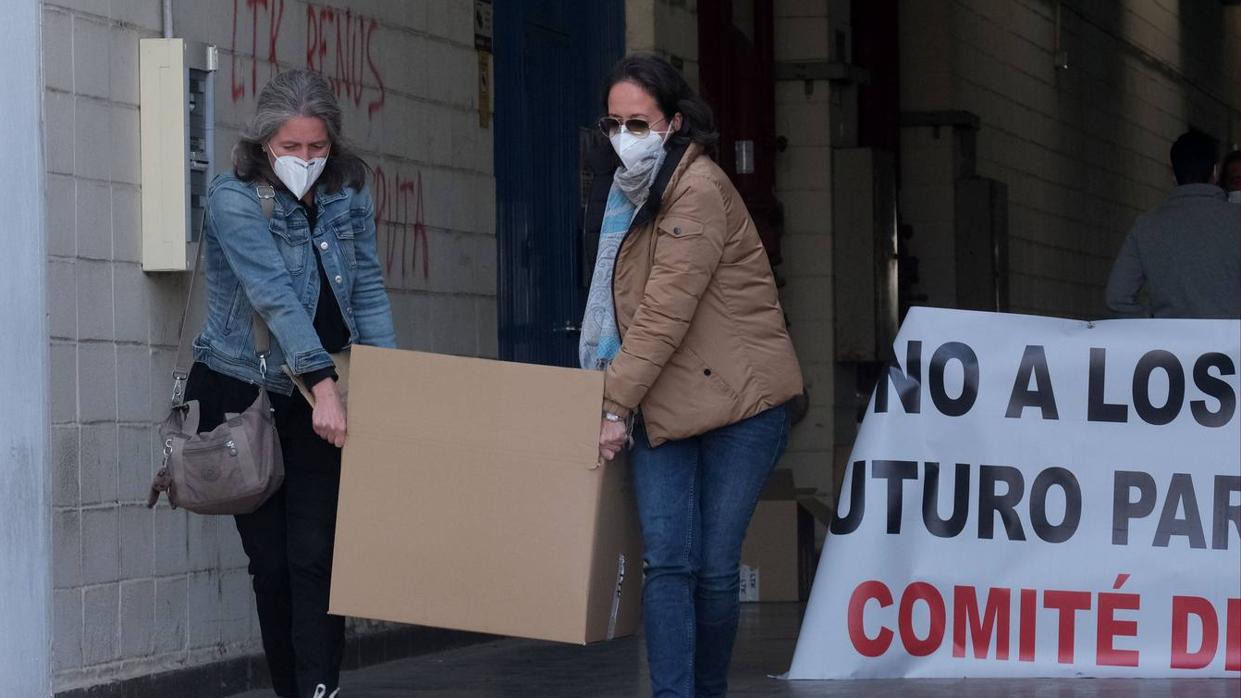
138, 591
1083, 151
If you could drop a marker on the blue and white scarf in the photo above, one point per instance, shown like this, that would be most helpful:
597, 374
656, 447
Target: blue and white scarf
600, 341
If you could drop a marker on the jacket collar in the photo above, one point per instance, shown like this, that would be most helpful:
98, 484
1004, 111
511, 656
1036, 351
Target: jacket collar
678, 160
322, 198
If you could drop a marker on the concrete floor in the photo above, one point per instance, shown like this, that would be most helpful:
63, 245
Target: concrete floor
507, 668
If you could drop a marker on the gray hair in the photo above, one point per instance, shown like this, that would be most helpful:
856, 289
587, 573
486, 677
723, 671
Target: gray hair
294, 93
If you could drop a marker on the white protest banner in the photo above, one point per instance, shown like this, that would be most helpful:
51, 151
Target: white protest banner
1038, 497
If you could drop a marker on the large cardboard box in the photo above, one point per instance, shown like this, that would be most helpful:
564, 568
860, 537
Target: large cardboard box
778, 556
471, 498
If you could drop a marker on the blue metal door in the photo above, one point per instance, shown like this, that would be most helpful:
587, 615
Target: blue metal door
551, 57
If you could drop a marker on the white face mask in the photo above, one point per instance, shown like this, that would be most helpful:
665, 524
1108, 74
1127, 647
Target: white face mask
634, 151
297, 174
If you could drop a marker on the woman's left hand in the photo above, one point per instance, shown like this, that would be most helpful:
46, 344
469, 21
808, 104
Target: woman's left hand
612, 438
328, 416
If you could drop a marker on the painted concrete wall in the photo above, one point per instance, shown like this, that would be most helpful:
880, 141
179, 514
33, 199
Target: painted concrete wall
25, 545
139, 591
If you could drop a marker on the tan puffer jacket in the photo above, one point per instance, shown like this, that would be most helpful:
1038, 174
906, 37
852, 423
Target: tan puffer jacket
704, 342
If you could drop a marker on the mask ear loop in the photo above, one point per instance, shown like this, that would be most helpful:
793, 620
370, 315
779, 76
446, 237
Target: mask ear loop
672, 129
271, 162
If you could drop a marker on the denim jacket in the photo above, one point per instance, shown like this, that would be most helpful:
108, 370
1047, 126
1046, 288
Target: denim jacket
253, 264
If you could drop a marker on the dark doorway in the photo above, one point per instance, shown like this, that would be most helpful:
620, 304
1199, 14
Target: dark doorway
551, 57
736, 47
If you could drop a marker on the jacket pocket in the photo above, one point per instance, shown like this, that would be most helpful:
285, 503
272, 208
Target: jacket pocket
678, 240
680, 227
294, 246
346, 239
230, 320
701, 373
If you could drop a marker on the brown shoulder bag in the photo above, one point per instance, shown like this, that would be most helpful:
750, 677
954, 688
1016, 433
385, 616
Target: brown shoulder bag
236, 467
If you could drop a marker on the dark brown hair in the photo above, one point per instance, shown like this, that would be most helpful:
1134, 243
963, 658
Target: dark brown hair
671, 92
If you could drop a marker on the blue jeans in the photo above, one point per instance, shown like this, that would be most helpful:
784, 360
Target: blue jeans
695, 500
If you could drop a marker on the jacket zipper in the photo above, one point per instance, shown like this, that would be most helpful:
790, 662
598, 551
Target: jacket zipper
615, 263
230, 445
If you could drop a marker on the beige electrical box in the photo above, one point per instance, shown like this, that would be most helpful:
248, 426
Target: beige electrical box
177, 120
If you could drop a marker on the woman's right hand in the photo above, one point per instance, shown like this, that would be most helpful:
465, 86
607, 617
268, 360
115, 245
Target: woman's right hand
329, 413
612, 439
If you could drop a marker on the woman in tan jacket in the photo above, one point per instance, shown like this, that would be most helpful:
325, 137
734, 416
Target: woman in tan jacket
684, 318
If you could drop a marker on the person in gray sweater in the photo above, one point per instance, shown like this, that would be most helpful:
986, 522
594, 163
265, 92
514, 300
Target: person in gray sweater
1186, 253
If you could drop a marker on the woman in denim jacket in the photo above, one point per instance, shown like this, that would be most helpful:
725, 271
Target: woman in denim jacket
311, 274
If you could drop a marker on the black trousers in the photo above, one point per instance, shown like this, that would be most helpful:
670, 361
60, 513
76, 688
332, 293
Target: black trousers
288, 540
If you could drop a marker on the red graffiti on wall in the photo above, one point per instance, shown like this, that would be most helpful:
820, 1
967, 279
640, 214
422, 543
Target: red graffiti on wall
348, 38
273, 11
406, 234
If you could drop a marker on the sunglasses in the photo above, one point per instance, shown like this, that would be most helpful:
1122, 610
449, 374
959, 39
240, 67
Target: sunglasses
610, 126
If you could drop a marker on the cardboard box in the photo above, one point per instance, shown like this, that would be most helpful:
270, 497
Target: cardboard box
471, 498
778, 557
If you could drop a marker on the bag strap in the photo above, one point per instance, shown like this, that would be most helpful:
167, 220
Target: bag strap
194, 301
